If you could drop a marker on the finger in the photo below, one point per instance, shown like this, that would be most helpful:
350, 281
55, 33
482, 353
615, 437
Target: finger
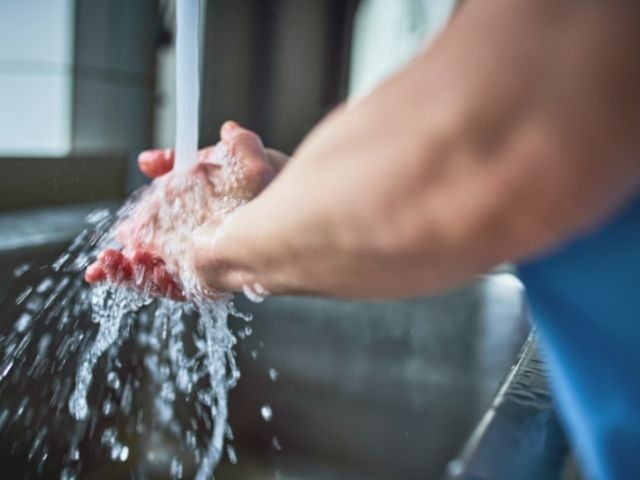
206, 154
152, 276
94, 273
241, 142
143, 264
166, 284
155, 163
116, 266
247, 147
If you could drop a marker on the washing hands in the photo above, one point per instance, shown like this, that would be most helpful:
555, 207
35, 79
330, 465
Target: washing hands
156, 254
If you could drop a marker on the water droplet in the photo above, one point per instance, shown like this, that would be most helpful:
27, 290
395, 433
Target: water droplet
21, 269
108, 408
5, 369
98, 215
23, 322
175, 470
23, 295
273, 374
190, 439
124, 453
113, 381
266, 413
455, 468
78, 406
74, 454
45, 285
67, 474
275, 443
60, 261
231, 453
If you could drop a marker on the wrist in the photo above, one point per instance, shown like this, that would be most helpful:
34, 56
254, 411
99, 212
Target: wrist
220, 256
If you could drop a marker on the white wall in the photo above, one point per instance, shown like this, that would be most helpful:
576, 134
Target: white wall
36, 38
389, 33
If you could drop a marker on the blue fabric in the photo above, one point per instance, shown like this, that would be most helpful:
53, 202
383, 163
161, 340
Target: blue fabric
585, 300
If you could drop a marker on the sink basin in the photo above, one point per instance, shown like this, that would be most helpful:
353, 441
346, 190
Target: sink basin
371, 390
357, 390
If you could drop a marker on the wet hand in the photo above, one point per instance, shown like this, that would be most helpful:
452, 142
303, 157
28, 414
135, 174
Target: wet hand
155, 237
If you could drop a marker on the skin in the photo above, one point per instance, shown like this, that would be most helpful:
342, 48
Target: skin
514, 133
142, 263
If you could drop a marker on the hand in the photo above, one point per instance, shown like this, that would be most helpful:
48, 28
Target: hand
155, 236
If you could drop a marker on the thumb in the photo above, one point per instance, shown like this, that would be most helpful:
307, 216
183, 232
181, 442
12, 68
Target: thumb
247, 147
240, 141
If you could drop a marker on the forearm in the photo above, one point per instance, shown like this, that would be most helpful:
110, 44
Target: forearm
430, 180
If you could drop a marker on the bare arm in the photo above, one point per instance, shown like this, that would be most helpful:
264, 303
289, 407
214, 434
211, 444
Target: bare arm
517, 130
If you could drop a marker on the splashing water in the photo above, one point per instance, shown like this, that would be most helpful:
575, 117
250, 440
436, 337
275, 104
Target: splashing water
186, 347
112, 305
266, 413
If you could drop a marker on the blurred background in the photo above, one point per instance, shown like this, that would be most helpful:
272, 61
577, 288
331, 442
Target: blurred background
87, 84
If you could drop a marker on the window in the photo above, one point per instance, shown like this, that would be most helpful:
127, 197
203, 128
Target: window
77, 82
35, 77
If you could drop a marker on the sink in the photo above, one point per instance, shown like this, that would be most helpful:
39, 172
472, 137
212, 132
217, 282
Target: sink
358, 389
371, 390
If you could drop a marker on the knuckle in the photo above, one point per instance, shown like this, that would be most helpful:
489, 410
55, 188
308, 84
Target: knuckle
243, 140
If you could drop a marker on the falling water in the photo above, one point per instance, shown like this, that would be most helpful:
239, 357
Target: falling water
187, 82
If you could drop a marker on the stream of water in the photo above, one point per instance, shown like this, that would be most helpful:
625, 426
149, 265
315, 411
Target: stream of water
187, 82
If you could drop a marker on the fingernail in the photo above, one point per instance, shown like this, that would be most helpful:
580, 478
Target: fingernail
230, 125
230, 129
94, 273
146, 156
